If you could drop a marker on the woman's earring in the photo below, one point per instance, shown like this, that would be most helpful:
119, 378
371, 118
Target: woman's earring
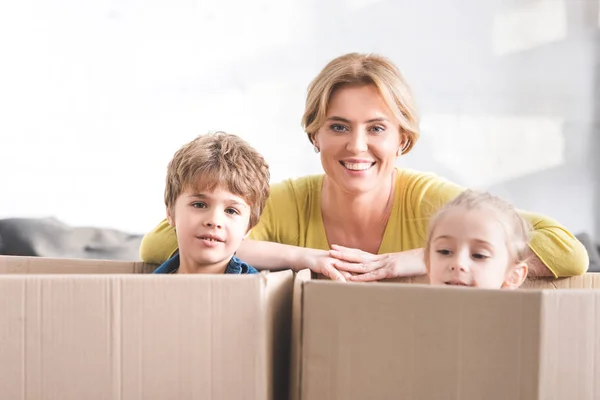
316, 149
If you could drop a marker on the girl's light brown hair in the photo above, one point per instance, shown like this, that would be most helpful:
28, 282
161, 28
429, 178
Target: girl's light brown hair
220, 159
518, 230
357, 69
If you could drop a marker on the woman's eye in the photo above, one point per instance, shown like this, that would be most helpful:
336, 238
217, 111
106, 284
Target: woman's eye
444, 252
378, 129
338, 128
199, 204
232, 211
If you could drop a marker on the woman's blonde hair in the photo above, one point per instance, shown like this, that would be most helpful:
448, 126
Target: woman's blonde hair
518, 230
363, 69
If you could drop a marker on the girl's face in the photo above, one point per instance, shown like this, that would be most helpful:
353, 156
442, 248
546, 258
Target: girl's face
470, 248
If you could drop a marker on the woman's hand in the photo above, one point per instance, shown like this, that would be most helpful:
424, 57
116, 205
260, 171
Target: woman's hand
366, 267
320, 262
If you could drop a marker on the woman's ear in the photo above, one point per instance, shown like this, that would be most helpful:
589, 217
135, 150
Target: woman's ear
404, 139
515, 276
314, 138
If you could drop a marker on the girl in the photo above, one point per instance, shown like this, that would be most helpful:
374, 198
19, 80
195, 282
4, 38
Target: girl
477, 240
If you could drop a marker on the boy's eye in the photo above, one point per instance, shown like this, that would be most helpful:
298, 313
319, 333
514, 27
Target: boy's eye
232, 211
199, 204
444, 252
338, 128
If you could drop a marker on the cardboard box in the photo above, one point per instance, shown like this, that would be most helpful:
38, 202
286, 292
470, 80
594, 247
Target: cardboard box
43, 265
401, 341
586, 281
139, 336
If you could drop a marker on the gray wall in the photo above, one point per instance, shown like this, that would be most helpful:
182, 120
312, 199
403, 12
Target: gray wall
508, 92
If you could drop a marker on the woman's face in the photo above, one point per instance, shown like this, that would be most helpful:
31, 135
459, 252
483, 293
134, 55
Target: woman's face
359, 140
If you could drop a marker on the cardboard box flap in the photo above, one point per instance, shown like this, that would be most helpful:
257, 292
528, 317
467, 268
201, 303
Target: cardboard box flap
279, 288
570, 346
173, 325
296, 334
591, 280
419, 341
43, 265
140, 336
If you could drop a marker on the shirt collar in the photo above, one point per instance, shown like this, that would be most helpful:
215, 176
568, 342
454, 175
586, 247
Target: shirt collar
235, 266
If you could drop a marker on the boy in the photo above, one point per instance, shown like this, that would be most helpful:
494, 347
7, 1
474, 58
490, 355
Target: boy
216, 188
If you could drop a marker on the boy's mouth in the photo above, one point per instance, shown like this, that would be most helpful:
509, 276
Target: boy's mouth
211, 238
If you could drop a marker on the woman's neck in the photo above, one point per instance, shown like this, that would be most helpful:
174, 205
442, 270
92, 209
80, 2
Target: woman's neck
357, 212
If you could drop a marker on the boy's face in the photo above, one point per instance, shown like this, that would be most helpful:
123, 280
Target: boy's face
210, 226
469, 248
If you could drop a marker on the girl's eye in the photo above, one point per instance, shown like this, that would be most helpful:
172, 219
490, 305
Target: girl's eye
199, 204
478, 256
338, 128
232, 211
444, 252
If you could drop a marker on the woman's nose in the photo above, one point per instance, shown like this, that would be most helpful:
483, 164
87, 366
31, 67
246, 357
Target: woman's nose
357, 142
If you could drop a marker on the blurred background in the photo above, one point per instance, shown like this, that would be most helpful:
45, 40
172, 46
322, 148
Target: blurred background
96, 96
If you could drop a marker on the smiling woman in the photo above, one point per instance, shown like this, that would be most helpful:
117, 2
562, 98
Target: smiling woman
364, 219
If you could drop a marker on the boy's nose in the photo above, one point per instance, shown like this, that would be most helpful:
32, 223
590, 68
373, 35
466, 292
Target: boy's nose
213, 221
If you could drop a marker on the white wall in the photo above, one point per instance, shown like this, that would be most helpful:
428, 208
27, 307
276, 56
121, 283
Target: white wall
96, 96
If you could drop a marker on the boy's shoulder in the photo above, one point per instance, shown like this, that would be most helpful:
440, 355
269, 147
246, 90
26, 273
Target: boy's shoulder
168, 267
235, 266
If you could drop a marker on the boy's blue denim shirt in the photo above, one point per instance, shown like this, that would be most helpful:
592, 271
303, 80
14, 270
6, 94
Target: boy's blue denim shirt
235, 266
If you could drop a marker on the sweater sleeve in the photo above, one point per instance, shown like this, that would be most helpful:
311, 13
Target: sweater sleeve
556, 247
159, 244
279, 221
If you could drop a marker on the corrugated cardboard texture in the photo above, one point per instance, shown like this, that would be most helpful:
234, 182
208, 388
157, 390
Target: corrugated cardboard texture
142, 336
570, 346
391, 341
296, 347
279, 317
43, 265
586, 281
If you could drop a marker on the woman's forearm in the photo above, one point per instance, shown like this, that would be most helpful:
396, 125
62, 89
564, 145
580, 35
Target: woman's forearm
273, 256
554, 250
535, 266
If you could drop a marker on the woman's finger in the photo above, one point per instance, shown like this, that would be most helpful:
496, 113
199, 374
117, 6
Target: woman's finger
375, 275
347, 275
332, 273
357, 268
351, 255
